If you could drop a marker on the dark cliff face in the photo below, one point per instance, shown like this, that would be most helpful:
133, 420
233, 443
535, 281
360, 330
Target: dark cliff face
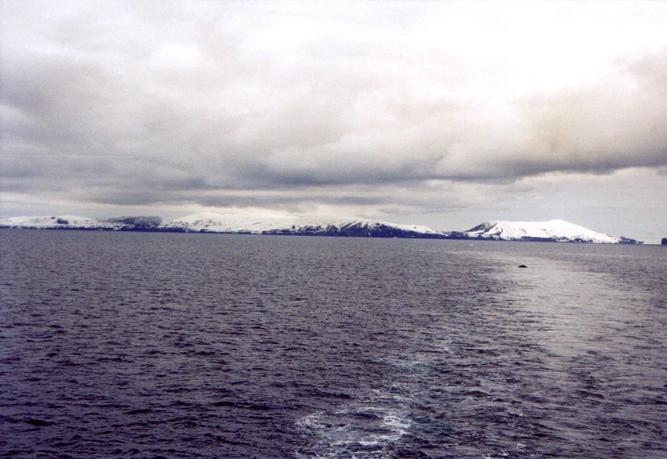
481, 227
628, 240
137, 223
664, 241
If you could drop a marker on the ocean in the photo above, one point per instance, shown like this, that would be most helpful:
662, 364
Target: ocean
120, 344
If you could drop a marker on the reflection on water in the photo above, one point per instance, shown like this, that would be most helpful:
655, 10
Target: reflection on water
575, 311
178, 345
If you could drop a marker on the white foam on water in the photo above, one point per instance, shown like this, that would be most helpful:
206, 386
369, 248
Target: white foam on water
356, 430
396, 422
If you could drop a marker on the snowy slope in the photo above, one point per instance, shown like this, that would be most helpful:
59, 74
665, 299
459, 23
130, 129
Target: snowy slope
371, 224
57, 222
552, 230
218, 223
361, 227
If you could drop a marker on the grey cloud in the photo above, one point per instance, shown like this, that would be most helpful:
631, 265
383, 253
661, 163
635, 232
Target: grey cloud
208, 103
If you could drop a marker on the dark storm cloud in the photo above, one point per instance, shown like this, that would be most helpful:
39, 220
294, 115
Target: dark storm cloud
223, 104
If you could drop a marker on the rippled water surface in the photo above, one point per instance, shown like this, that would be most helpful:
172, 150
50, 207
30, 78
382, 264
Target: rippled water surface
179, 345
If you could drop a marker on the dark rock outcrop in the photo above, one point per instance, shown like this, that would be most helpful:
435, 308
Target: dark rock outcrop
143, 223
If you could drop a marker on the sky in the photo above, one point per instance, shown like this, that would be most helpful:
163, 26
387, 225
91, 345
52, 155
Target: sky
445, 114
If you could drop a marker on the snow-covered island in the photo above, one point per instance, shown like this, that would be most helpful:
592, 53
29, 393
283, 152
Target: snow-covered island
208, 222
551, 230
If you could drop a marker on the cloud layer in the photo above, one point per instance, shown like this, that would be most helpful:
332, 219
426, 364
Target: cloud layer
389, 106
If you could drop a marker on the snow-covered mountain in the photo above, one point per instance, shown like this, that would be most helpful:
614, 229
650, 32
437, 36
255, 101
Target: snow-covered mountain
552, 230
210, 222
76, 222
361, 228
219, 223
57, 222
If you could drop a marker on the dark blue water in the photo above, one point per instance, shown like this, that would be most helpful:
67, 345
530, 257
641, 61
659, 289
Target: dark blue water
178, 345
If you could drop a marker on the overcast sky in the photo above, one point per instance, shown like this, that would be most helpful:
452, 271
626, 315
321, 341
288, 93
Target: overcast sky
445, 114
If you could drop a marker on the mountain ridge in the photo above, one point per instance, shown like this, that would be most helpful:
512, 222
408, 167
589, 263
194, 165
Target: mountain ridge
209, 222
